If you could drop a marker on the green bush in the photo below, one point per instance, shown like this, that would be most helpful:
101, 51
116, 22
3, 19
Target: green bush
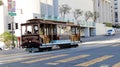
6, 37
108, 24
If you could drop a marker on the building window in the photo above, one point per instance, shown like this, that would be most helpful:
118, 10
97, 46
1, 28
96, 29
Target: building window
116, 19
115, 4
116, 15
98, 3
49, 16
116, 8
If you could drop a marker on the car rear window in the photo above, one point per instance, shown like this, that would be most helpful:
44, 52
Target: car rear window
109, 30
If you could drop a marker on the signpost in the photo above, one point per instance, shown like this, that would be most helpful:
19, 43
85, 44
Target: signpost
11, 12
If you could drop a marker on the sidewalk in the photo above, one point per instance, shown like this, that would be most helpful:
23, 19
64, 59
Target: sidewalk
101, 37
92, 38
13, 51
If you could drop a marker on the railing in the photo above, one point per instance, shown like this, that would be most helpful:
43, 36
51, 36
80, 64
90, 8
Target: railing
87, 24
82, 22
59, 19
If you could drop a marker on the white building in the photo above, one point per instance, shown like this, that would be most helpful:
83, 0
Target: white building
115, 11
28, 9
49, 8
3, 18
103, 8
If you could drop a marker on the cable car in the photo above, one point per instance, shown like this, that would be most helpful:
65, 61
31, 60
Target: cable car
39, 34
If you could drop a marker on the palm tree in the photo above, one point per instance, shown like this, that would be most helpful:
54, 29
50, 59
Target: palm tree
64, 9
93, 15
88, 15
77, 13
96, 15
1, 3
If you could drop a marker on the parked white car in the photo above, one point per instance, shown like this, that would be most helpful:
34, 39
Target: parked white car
2, 45
110, 32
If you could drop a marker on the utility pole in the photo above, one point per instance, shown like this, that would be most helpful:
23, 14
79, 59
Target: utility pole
12, 13
12, 23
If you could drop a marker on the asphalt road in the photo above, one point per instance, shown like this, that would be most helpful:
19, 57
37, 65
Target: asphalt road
103, 52
83, 56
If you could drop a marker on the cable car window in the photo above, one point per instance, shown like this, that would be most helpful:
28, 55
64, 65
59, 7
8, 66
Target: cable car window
35, 29
23, 30
73, 30
77, 30
29, 29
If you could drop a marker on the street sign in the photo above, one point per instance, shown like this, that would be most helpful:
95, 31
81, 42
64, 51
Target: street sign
12, 14
11, 7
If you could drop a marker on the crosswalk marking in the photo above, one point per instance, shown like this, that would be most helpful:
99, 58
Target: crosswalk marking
1, 63
7, 55
116, 65
20, 59
115, 45
42, 59
91, 62
55, 63
68, 59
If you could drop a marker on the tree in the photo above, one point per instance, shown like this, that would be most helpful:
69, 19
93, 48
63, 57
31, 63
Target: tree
77, 13
1, 3
95, 16
88, 14
64, 9
6, 37
116, 26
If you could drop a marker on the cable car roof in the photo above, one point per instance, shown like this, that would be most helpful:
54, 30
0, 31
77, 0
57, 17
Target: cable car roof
41, 21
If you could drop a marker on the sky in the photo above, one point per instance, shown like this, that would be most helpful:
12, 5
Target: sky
84, 5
